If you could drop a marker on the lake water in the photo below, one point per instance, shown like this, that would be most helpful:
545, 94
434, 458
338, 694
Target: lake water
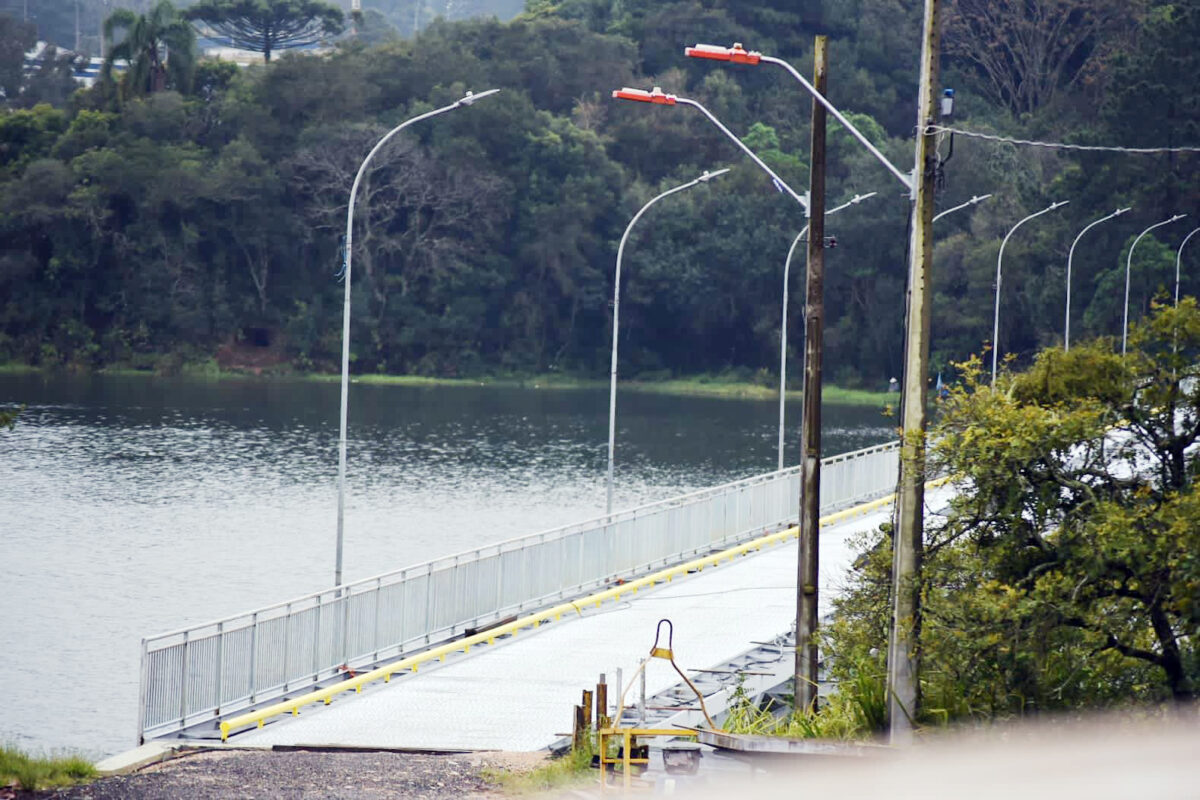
131, 506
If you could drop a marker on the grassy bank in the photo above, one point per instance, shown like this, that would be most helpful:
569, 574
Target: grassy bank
720, 386
699, 386
572, 769
17, 369
31, 773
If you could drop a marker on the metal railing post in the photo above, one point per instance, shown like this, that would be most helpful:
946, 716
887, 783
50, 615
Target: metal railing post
143, 691
317, 642
375, 635
287, 647
183, 681
346, 595
253, 657
220, 665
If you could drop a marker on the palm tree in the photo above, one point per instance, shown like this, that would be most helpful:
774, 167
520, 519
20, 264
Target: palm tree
159, 46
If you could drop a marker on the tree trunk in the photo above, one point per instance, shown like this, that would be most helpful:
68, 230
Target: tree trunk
1172, 661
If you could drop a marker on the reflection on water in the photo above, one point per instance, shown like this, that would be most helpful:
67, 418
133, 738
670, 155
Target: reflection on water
131, 506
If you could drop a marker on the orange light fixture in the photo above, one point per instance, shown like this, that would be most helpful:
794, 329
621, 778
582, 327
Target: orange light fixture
656, 95
736, 54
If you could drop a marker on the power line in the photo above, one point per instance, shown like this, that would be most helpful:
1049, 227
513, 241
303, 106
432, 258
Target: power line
1062, 145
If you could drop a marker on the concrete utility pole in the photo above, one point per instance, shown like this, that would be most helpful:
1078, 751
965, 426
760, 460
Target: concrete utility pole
810, 447
907, 542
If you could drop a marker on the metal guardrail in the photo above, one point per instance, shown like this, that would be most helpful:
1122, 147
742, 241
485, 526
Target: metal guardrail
196, 675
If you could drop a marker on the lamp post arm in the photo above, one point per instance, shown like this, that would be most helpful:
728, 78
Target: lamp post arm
1129, 269
787, 267
971, 202
345, 394
1070, 257
1178, 256
612, 389
779, 182
858, 198
855, 132
999, 259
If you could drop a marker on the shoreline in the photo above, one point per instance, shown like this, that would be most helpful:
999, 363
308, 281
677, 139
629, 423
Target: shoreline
693, 386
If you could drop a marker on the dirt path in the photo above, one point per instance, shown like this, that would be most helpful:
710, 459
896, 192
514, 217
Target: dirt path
306, 774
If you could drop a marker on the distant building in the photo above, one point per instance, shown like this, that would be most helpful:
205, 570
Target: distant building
86, 70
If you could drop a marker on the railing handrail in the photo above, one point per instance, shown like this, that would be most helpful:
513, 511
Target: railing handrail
603, 519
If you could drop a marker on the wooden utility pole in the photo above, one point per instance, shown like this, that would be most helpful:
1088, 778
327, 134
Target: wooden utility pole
903, 653
810, 447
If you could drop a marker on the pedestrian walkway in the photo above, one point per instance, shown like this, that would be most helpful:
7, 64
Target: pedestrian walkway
519, 693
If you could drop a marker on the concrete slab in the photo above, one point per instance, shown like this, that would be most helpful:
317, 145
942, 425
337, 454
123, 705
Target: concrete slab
130, 760
519, 693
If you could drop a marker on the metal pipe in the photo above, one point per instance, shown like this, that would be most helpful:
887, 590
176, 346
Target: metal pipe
855, 132
780, 183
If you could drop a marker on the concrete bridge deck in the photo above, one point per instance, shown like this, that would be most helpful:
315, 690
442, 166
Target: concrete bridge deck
518, 694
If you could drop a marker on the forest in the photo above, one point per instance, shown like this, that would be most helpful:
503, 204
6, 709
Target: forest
153, 224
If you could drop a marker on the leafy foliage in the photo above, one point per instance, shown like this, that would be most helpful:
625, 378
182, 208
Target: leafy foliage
1066, 573
147, 40
195, 205
264, 26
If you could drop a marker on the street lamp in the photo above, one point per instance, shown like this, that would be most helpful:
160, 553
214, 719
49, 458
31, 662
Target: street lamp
999, 259
658, 97
466, 100
979, 198
1178, 255
612, 391
787, 266
1129, 268
1071, 255
738, 55
806, 669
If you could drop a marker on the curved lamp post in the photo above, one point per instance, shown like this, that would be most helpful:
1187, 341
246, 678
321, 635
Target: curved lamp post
1179, 255
612, 391
787, 266
979, 198
466, 100
738, 55
805, 678
1129, 268
999, 260
1070, 256
658, 97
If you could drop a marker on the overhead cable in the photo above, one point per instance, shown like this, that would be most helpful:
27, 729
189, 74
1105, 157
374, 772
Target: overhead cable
1061, 145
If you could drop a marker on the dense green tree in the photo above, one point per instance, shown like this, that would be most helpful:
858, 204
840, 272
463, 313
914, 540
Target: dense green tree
1065, 573
265, 26
16, 38
187, 217
158, 46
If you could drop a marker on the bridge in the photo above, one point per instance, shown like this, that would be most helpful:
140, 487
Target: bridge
591, 592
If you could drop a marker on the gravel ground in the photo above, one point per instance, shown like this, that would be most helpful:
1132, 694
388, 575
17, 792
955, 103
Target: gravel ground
329, 775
